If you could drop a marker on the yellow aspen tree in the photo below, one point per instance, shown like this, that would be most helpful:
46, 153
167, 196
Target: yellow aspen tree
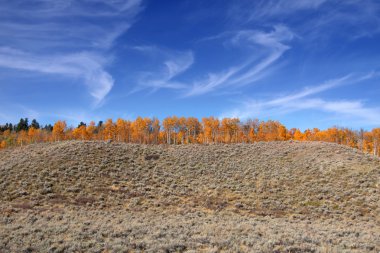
76, 133
260, 136
207, 130
121, 130
253, 127
201, 138
82, 132
210, 129
215, 129
298, 136
307, 135
189, 130
90, 130
7, 133
155, 130
3, 144
244, 132
59, 130
252, 135
193, 128
315, 134
376, 141
268, 131
168, 124
162, 137
282, 133
147, 130
109, 130
182, 130
368, 142
22, 137
234, 128
225, 130
175, 129
138, 128
33, 134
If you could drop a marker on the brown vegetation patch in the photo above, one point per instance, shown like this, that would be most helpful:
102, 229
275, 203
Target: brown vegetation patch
23, 205
276, 213
58, 199
84, 200
262, 197
152, 157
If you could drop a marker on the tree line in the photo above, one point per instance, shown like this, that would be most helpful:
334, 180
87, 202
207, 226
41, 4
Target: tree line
184, 130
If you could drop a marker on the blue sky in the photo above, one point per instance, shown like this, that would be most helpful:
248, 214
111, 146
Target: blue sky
306, 63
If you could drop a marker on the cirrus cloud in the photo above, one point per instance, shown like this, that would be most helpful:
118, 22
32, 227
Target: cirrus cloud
65, 37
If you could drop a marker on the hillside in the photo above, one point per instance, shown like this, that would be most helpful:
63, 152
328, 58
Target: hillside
268, 196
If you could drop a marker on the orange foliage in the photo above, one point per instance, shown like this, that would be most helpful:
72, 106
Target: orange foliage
182, 130
59, 130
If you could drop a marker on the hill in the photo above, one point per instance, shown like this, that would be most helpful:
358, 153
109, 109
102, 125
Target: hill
264, 197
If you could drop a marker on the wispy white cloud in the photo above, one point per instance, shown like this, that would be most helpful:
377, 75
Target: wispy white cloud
43, 9
272, 43
352, 19
262, 10
305, 100
267, 48
65, 37
173, 64
88, 66
213, 81
308, 91
325, 19
280, 7
73, 23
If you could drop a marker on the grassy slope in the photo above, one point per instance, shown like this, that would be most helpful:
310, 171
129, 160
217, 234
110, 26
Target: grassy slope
285, 196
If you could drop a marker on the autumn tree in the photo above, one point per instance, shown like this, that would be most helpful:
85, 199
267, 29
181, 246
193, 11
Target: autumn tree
90, 129
140, 129
33, 134
376, 141
155, 129
169, 125
193, 128
22, 137
59, 130
360, 135
271, 131
229, 130
123, 130
253, 129
175, 129
298, 135
80, 132
109, 131
210, 129
182, 130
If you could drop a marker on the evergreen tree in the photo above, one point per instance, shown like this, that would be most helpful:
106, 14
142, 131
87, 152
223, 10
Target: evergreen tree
7, 126
48, 127
81, 124
22, 125
35, 124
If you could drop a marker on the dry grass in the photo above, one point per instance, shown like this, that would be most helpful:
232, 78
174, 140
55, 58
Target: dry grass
113, 197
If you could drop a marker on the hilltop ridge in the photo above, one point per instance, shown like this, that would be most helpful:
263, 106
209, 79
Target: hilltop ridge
288, 187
